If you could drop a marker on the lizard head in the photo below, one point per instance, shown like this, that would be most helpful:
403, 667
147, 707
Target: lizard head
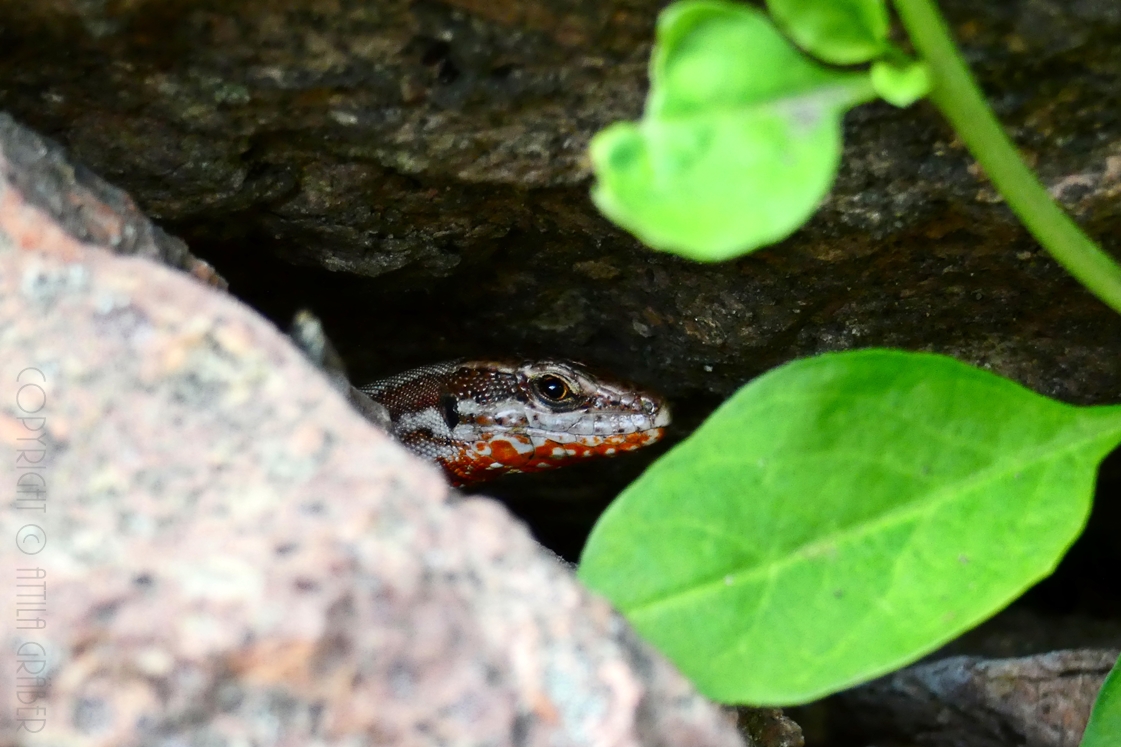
481, 419
535, 415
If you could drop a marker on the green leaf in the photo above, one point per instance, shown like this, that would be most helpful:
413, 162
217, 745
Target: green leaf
1104, 729
740, 139
901, 84
843, 32
662, 180
843, 515
713, 57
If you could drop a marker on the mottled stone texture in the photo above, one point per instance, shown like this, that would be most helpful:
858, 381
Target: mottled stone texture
84, 205
234, 557
964, 701
1022, 679
438, 147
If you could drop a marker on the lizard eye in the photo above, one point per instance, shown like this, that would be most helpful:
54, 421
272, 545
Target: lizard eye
552, 388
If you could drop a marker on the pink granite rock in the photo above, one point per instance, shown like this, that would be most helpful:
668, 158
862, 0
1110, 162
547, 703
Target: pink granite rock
203, 544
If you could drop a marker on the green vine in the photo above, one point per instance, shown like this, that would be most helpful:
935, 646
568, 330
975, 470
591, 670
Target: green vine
958, 97
843, 515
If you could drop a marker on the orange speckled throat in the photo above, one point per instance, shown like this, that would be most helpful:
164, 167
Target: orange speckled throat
482, 419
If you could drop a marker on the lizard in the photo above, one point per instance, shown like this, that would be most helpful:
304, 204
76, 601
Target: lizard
483, 418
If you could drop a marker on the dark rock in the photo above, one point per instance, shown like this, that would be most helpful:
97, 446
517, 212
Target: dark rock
769, 726
1022, 631
429, 156
442, 143
307, 333
85, 206
233, 556
965, 701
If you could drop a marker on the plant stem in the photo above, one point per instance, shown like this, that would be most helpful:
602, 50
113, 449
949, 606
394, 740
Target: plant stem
956, 94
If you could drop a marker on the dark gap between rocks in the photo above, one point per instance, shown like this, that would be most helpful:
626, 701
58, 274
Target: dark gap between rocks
382, 326
390, 323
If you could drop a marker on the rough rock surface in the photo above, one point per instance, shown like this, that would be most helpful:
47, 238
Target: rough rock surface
979, 685
964, 701
222, 552
85, 206
769, 726
438, 147
429, 155
421, 161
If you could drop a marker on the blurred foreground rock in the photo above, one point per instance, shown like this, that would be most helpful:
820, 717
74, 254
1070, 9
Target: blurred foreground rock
208, 546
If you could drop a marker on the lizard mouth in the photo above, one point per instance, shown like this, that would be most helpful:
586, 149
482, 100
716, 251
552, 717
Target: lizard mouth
599, 425
651, 415
527, 451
